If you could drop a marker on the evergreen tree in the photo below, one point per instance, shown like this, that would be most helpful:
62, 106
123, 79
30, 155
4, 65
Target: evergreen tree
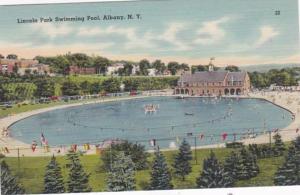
289, 172
182, 160
213, 174
249, 166
279, 147
9, 184
53, 179
296, 143
78, 180
160, 175
137, 153
233, 165
121, 177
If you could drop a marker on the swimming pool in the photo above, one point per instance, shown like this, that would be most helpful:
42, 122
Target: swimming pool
205, 119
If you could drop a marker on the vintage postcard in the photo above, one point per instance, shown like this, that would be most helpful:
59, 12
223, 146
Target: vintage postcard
149, 95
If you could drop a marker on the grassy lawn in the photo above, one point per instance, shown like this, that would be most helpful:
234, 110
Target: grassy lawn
24, 108
32, 169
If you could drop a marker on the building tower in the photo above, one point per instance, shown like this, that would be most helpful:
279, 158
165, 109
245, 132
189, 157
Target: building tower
210, 65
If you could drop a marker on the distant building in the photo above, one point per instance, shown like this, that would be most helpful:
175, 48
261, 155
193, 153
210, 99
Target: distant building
151, 72
213, 83
6, 68
111, 70
82, 70
135, 69
180, 72
21, 63
6, 65
167, 72
40, 69
274, 87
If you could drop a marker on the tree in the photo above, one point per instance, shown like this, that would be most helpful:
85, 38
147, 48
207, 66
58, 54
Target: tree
159, 66
111, 85
127, 70
78, 180
135, 151
173, 67
131, 84
233, 166
232, 68
9, 184
95, 88
249, 166
85, 87
144, 66
60, 64
79, 59
15, 69
27, 71
101, 64
20, 92
70, 88
296, 143
53, 180
44, 87
279, 147
160, 174
121, 176
199, 68
12, 56
184, 67
289, 172
3, 93
182, 160
213, 174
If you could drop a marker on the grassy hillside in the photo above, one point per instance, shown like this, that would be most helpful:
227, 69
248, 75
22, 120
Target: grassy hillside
31, 171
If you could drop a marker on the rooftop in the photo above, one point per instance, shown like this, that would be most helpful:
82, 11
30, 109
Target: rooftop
214, 76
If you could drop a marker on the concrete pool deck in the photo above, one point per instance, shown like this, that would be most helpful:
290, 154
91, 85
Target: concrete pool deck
287, 100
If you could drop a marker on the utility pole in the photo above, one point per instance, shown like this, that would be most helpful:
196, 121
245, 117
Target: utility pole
18, 160
270, 138
195, 139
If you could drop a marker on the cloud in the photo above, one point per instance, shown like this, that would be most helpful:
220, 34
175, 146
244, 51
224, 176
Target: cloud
211, 31
52, 30
133, 40
267, 33
170, 36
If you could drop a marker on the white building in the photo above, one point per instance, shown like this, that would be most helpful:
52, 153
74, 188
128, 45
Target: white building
111, 70
135, 69
151, 72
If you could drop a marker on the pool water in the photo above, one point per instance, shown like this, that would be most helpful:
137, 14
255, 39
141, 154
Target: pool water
173, 120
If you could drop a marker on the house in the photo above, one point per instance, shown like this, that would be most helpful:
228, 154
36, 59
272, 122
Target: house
40, 69
135, 69
6, 68
111, 70
6, 65
151, 72
213, 83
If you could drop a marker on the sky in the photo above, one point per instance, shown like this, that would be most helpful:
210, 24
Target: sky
235, 32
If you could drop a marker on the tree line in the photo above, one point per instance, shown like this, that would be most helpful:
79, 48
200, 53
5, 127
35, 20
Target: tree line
70, 86
280, 77
60, 64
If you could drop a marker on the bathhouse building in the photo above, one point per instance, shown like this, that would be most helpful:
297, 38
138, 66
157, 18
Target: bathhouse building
213, 83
